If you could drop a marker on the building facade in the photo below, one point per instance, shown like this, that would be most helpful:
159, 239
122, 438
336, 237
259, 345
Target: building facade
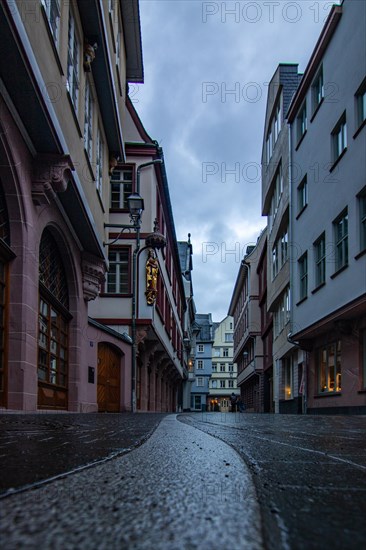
248, 343
224, 370
276, 206
158, 302
62, 108
203, 362
327, 120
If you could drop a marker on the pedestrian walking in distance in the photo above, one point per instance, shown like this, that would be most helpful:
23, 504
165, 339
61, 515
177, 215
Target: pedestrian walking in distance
233, 400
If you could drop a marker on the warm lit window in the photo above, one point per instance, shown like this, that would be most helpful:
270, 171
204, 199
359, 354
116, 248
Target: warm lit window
121, 188
341, 240
118, 277
303, 276
317, 90
302, 195
99, 163
339, 138
52, 9
73, 66
319, 252
88, 121
329, 368
301, 123
287, 373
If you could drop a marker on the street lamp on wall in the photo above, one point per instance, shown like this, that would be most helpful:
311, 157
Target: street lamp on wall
135, 206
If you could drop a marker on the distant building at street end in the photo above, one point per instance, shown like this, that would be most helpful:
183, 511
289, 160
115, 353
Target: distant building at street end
203, 361
248, 344
224, 370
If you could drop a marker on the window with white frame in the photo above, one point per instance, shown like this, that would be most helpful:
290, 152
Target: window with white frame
52, 9
282, 313
121, 187
319, 256
222, 367
231, 367
225, 352
230, 383
303, 276
88, 121
280, 252
200, 348
301, 123
341, 240
274, 128
214, 367
118, 276
362, 214
229, 337
222, 383
200, 381
339, 138
200, 364
302, 194
317, 90
99, 163
216, 352
284, 246
361, 104
276, 195
329, 368
73, 65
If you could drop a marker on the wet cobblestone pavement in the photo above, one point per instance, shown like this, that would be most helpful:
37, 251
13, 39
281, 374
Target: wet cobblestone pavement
309, 473
34, 447
241, 481
175, 492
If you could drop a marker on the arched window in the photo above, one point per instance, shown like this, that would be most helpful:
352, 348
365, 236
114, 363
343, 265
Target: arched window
53, 326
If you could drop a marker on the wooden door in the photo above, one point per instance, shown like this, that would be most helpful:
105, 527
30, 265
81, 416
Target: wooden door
109, 379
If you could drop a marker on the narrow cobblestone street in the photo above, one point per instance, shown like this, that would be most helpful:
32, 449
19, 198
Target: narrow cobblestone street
236, 480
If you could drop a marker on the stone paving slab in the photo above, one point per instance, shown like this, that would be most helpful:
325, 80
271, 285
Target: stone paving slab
34, 447
181, 490
309, 473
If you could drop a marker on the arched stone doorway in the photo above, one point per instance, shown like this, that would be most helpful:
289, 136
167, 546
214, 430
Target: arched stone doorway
5, 256
109, 378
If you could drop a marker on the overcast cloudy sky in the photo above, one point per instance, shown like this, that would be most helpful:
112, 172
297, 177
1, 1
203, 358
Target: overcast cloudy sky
207, 67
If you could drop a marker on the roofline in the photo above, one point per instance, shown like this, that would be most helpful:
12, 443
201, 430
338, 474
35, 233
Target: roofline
133, 43
136, 119
312, 66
